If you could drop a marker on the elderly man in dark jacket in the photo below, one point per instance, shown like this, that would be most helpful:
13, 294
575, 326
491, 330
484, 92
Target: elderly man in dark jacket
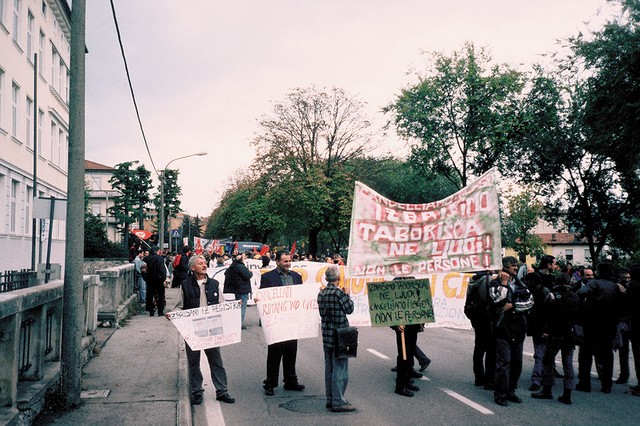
237, 280
200, 290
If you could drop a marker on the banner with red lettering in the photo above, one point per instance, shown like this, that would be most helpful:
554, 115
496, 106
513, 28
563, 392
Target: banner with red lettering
460, 233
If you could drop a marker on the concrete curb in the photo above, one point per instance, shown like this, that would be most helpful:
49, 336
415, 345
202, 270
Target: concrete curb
184, 415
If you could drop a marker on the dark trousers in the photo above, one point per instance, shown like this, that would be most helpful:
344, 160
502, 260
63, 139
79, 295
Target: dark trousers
553, 346
155, 295
623, 351
508, 366
404, 366
598, 343
484, 352
218, 373
287, 352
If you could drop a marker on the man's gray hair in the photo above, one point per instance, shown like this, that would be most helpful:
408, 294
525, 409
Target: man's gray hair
192, 260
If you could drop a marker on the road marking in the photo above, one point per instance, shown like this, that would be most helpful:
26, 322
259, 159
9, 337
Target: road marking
378, 354
467, 401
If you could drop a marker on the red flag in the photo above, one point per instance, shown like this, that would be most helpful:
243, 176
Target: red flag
264, 249
235, 247
293, 249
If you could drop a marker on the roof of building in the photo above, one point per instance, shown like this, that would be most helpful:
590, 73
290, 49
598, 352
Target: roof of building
92, 165
562, 238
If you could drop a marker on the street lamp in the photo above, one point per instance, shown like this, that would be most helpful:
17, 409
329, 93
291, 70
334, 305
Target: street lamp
161, 227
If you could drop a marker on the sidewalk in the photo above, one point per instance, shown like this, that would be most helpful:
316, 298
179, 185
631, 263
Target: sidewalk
143, 367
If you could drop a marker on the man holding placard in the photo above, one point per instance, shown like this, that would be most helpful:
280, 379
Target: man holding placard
200, 290
282, 351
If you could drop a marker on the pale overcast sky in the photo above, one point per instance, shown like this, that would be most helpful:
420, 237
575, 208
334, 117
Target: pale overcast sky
204, 71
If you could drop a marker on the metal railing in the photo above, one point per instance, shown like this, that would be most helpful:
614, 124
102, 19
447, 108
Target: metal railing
14, 280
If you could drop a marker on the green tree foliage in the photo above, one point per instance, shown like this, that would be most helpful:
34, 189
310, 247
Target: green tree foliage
304, 147
96, 242
459, 115
524, 213
133, 185
172, 192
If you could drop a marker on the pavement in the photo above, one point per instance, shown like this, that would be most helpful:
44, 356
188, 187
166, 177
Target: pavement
138, 377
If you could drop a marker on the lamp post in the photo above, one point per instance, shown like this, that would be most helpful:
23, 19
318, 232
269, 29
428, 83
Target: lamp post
161, 227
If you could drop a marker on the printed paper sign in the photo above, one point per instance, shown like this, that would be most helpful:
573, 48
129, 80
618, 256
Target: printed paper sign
401, 302
289, 312
460, 233
209, 327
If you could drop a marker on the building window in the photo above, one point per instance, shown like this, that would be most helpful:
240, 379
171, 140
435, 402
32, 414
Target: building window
2, 11
55, 61
44, 9
54, 134
1, 94
15, 96
587, 255
95, 209
30, 21
13, 206
41, 45
27, 210
568, 254
17, 5
29, 123
96, 183
40, 122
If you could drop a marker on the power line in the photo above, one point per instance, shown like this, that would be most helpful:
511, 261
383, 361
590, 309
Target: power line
133, 96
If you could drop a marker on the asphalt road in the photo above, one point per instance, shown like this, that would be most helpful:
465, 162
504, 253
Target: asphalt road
447, 395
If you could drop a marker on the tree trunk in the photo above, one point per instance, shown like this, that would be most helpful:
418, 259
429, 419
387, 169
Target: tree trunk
313, 240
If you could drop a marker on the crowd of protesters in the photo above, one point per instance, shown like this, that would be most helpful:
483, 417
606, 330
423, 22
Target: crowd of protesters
560, 308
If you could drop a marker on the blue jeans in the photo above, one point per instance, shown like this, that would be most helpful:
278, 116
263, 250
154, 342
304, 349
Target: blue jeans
538, 353
142, 288
336, 377
244, 297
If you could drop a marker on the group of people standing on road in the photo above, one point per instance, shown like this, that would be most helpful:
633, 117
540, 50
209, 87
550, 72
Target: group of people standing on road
559, 311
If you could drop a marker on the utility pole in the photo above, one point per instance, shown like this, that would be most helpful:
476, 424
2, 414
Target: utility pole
73, 306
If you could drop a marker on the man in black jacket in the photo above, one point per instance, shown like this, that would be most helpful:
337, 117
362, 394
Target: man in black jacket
237, 280
200, 290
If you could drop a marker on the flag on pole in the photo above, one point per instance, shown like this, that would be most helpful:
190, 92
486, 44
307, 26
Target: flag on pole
293, 249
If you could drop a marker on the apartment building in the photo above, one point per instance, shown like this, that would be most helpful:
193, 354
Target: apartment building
34, 125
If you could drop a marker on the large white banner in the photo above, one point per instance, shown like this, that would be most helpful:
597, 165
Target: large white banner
448, 290
289, 312
210, 326
460, 233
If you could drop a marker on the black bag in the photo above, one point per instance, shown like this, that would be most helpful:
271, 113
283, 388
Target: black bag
346, 342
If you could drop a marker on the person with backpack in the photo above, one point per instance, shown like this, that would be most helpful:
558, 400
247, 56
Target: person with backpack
180, 267
476, 308
156, 274
510, 301
559, 316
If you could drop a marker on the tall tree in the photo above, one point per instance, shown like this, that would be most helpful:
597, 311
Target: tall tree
304, 146
172, 192
459, 115
524, 212
133, 185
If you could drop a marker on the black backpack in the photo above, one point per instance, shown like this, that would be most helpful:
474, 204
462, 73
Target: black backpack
476, 305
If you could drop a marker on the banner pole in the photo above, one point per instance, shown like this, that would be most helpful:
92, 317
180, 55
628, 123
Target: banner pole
404, 345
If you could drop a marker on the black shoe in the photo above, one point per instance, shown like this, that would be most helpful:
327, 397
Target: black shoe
425, 365
160, 313
294, 387
404, 392
151, 313
582, 387
534, 388
414, 374
196, 398
564, 400
412, 388
478, 382
394, 369
226, 398
541, 395
501, 402
622, 381
558, 374
244, 327
489, 386
635, 388
328, 405
512, 397
605, 389
268, 391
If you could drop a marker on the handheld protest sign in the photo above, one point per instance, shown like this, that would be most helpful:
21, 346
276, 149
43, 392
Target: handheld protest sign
209, 326
402, 302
